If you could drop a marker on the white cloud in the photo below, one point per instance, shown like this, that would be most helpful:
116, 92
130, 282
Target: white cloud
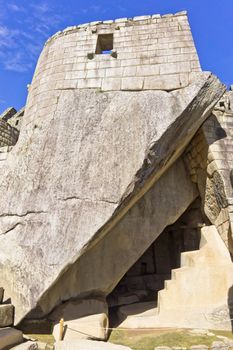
17, 64
15, 8
22, 38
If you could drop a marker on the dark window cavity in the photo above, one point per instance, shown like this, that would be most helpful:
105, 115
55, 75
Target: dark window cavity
104, 44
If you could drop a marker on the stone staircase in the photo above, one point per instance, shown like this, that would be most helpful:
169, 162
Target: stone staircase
9, 336
197, 293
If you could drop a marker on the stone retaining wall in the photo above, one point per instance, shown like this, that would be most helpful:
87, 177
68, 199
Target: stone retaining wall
8, 134
209, 158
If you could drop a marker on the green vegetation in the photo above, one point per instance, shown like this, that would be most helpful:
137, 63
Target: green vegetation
148, 340
143, 339
44, 338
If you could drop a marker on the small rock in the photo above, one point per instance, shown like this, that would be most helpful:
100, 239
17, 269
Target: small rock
29, 345
162, 348
41, 345
199, 347
89, 345
28, 338
226, 340
199, 331
219, 345
49, 347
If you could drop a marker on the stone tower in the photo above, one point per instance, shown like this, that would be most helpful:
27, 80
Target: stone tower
116, 165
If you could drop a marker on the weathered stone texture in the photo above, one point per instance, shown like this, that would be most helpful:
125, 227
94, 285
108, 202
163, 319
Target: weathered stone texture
210, 160
206, 304
29, 345
6, 315
160, 48
8, 134
10, 337
88, 345
127, 240
83, 319
87, 157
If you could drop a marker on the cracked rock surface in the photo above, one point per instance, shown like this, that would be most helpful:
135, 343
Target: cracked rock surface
74, 173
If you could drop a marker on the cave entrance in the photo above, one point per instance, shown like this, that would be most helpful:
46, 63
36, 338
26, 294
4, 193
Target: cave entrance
146, 277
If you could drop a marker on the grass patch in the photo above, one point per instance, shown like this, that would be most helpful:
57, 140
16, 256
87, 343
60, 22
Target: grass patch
148, 340
44, 338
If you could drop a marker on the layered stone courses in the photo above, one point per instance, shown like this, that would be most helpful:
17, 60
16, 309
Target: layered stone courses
152, 53
117, 148
8, 134
210, 160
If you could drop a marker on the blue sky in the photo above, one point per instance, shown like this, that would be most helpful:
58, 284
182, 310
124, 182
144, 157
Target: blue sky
26, 24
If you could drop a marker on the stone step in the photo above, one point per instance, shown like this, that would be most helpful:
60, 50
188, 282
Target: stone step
6, 315
10, 337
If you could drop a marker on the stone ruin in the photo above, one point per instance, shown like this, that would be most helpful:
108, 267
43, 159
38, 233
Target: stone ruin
116, 184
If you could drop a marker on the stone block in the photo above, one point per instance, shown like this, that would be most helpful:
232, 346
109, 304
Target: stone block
95, 73
181, 13
3, 156
172, 68
219, 345
132, 83
129, 71
6, 315
111, 84
110, 21
141, 18
80, 74
29, 345
10, 337
41, 345
1, 294
114, 72
88, 345
89, 327
188, 49
165, 82
144, 71
120, 20
89, 83
84, 319
156, 16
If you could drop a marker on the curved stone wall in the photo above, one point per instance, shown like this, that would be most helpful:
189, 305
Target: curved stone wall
149, 53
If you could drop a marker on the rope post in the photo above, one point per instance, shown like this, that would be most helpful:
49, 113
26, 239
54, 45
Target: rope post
61, 329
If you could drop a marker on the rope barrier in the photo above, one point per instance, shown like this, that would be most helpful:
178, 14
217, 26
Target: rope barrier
225, 346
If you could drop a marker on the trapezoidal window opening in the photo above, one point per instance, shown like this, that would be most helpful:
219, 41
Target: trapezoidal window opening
104, 44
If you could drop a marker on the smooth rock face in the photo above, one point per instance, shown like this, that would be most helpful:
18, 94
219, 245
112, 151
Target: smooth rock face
6, 315
87, 345
97, 272
74, 170
10, 337
89, 327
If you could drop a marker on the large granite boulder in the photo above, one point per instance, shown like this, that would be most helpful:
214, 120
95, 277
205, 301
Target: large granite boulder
102, 266
74, 173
